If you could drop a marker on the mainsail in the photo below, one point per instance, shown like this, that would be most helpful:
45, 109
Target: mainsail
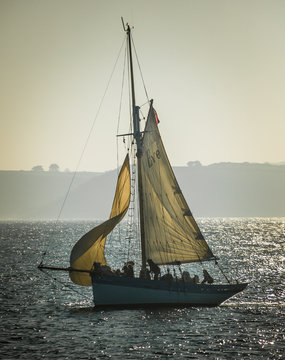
90, 248
171, 233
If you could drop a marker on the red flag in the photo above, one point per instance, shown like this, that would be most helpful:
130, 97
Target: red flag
156, 117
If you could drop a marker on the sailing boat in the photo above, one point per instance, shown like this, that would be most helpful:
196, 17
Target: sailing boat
169, 234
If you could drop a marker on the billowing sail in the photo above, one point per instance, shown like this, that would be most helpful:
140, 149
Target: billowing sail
90, 248
171, 233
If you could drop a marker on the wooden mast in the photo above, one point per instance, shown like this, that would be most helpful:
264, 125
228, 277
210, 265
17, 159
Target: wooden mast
137, 136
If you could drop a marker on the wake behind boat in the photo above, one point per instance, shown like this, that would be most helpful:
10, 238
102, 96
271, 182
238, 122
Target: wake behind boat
169, 234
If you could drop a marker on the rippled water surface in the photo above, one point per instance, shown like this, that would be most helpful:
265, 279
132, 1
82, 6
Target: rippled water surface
44, 318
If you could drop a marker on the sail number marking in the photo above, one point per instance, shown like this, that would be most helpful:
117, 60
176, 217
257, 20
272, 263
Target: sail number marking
151, 158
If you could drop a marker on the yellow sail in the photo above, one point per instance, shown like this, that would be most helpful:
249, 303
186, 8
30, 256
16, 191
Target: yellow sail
171, 233
90, 248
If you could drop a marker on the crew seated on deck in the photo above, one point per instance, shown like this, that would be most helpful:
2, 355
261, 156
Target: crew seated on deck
207, 277
187, 278
145, 274
154, 269
195, 279
102, 270
97, 269
128, 269
118, 272
106, 270
166, 277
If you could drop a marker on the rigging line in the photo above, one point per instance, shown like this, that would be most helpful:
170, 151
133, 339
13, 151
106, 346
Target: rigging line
221, 270
130, 102
118, 123
67, 285
85, 145
121, 97
140, 68
131, 211
129, 141
134, 224
145, 104
138, 216
142, 114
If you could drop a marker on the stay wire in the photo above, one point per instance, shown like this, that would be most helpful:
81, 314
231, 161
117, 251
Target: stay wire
121, 99
111, 236
86, 143
66, 285
128, 146
129, 142
140, 70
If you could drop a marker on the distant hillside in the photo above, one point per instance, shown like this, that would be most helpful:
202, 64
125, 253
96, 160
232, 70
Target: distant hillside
234, 189
218, 190
36, 194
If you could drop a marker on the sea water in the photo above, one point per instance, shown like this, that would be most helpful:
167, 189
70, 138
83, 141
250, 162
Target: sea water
45, 316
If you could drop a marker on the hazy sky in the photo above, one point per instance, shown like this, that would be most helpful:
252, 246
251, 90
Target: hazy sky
215, 69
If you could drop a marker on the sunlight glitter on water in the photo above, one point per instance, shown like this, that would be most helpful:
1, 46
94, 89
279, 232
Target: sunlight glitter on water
43, 318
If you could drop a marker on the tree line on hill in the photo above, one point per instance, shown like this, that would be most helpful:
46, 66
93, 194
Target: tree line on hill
52, 167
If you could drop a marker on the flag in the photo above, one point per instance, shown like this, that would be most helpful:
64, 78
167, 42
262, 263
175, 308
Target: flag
156, 117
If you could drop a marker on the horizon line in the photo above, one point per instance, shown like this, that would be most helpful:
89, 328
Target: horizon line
196, 163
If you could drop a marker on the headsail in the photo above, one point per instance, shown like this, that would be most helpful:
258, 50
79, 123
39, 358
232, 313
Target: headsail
171, 233
90, 248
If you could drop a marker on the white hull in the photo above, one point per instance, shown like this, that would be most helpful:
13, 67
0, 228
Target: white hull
115, 291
